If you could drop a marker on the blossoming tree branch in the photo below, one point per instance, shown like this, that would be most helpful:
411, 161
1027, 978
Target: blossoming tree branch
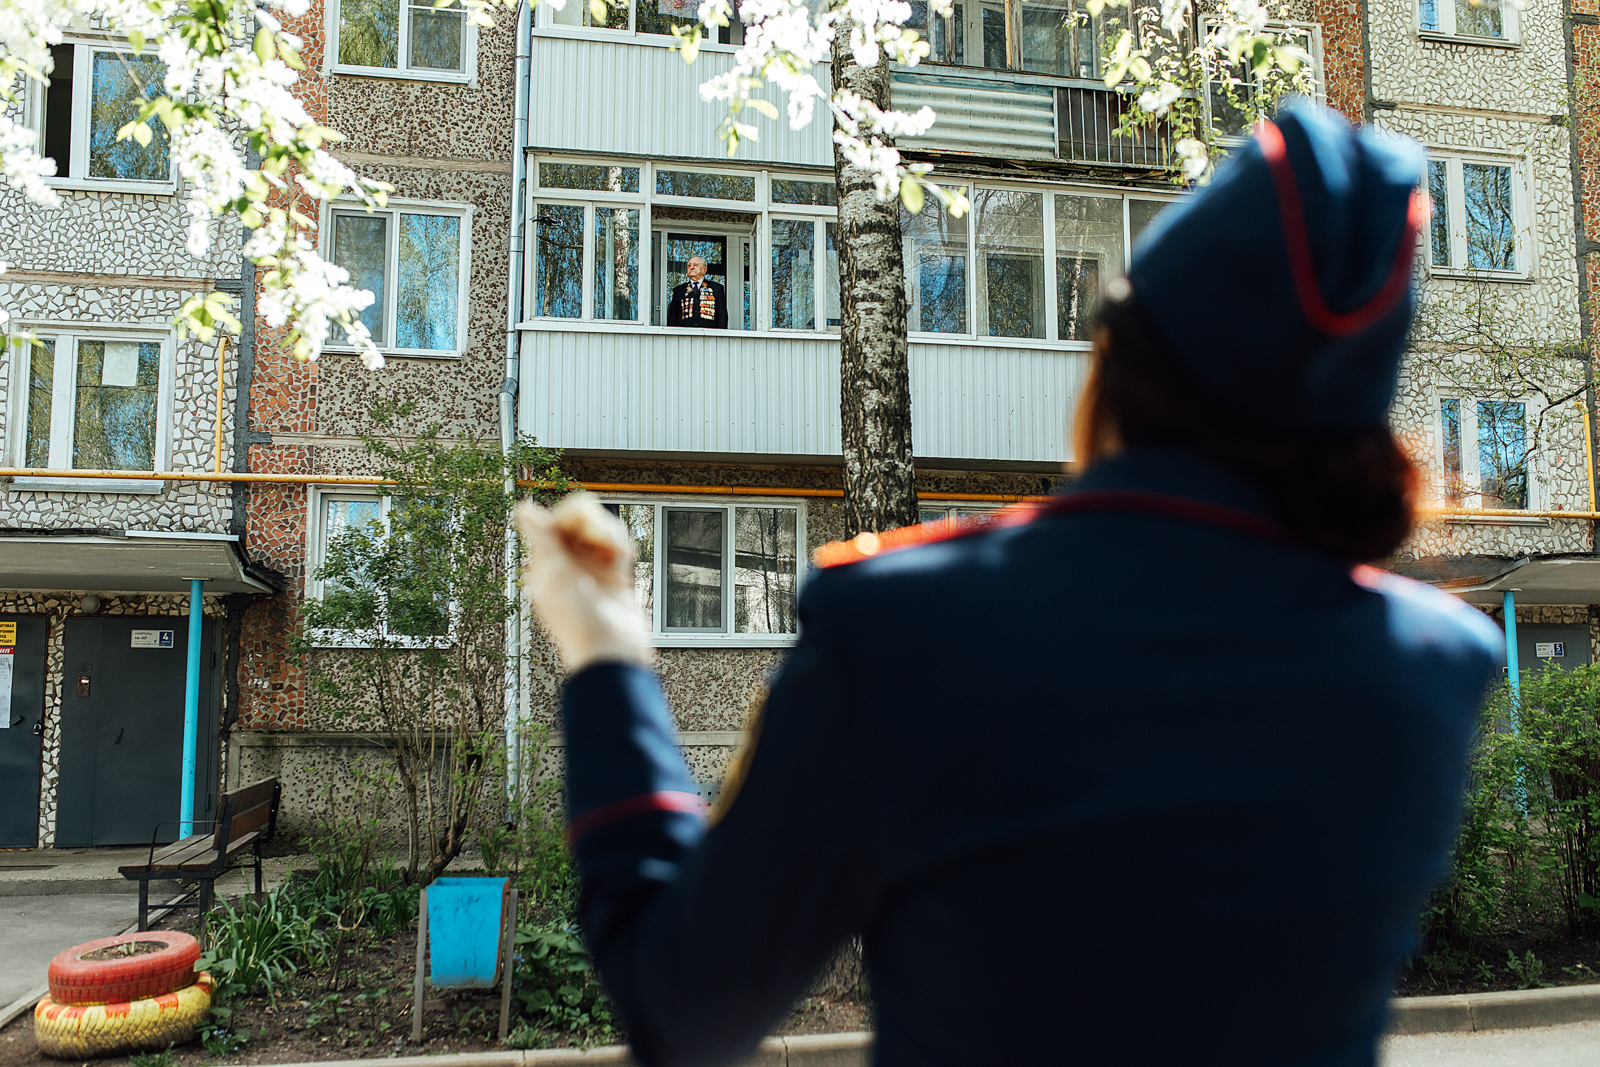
244, 146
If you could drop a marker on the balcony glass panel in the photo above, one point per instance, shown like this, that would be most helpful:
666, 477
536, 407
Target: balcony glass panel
1010, 230
935, 249
616, 263
1088, 252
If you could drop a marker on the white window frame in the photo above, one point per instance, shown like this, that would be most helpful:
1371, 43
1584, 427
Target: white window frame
394, 208
1510, 20
83, 50
63, 407
660, 637
1313, 32
545, 25
1456, 209
316, 554
468, 75
1471, 472
762, 211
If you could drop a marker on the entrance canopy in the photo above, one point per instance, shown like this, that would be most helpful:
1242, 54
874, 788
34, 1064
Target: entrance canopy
130, 561
1486, 579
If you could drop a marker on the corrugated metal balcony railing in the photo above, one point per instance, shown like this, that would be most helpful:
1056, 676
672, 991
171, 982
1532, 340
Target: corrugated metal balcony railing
1090, 117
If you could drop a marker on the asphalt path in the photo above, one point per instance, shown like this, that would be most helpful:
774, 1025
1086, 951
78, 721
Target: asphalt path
1577, 1045
36, 928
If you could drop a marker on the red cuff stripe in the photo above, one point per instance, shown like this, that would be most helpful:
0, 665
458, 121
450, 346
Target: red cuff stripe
688, 803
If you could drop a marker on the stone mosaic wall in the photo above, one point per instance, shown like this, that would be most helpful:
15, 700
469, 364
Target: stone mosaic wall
58, 607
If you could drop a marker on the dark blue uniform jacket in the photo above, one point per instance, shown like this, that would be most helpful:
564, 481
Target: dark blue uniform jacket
1104, 787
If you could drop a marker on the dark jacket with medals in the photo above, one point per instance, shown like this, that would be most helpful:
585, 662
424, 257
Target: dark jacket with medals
704, 306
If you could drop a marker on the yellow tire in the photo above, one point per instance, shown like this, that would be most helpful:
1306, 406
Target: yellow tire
75, 1031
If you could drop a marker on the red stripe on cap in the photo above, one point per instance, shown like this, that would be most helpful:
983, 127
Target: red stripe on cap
688, 803
1301, 265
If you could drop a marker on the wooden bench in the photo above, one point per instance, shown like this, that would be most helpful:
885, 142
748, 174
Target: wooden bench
247, 818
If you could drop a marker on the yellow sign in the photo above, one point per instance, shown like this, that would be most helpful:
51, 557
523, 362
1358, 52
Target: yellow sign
8, 633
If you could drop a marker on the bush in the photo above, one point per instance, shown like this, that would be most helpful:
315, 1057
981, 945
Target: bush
556, 982
1559, 718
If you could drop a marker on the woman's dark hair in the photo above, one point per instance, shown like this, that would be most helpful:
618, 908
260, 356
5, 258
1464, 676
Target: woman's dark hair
1345, 492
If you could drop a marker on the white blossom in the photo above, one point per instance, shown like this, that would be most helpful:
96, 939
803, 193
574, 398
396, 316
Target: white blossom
1195, 157
1159, 100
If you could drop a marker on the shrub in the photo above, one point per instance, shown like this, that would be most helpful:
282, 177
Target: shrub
556, 981
1559, 720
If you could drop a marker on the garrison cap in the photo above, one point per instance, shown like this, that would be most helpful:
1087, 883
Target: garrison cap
1285, 286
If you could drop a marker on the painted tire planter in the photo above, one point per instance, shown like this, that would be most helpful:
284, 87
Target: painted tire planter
116, 971
75, 1031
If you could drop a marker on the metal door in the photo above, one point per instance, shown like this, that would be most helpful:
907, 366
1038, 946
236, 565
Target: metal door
22, 649
122, 729
1543, 644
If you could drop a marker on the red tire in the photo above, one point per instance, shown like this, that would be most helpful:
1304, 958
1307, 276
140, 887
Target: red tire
75, 980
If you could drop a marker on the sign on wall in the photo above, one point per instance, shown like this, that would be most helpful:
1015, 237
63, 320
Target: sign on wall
1550, 649
152, 639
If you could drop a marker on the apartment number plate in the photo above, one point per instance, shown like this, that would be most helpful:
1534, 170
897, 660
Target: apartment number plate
1550, 649
163, 639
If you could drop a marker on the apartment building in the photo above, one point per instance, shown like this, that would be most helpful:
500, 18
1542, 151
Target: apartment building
424, 101
552, 179
119, 590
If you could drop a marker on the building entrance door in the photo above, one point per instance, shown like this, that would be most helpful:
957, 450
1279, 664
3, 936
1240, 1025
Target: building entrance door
122, 729
728, 259
22, 650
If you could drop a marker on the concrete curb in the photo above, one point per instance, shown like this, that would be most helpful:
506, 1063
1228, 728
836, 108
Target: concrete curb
1517, 1010
22, 1004
809, 1050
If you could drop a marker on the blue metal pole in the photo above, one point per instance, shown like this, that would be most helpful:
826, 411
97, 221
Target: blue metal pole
1512, 674
191, 710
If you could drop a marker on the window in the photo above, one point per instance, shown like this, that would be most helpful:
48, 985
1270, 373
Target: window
94, 91
1030, 251
717, 573
957, 514
1495, 473
610, 241
1057, 37
1476, 216
92, 400
1230, 97
404, 38
1486, 20
407, 609
652, 17
414, 260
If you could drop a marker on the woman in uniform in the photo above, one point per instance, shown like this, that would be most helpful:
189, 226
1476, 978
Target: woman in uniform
1157, 772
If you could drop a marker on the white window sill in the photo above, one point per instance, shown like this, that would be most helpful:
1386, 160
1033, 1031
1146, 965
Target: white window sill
1502, 43
87, 485
444, 76
1496, 520
724, 640
1454, 274
649, 40
394, 353
113, 185
964, 340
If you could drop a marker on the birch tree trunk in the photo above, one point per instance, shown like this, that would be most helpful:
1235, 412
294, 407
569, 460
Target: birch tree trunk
880, 491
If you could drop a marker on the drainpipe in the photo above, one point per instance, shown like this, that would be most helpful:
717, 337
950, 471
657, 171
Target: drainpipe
1512, 674
191, 709
508, 398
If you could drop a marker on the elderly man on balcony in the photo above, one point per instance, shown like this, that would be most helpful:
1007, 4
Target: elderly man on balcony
698, 302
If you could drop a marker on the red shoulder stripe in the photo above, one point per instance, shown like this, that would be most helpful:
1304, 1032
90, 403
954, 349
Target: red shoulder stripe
665, 800
866, 545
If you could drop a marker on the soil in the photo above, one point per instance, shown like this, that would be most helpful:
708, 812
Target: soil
365, 1011
1483, 966
124, 950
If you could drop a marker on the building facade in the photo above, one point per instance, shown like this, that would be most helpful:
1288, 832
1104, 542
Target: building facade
552, 179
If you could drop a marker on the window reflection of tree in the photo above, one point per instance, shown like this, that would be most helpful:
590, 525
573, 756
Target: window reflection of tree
1450, 424
120, 85
616, 256
1491, 243
640, 519
558, 268
429, 283
1502, 454
114, 427
1010, 229
936, 244
41, 401
764, 570
694, 569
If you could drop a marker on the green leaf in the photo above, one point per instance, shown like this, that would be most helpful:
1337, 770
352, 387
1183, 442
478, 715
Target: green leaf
766, 107
597, 11
911, 195
136, 39
265, 48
